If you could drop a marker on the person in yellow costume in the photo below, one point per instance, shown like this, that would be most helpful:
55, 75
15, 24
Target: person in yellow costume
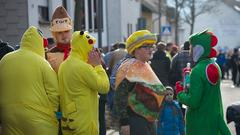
81, 78
28, 89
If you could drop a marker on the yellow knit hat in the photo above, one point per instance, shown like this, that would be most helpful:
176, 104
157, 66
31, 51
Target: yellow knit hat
140, 38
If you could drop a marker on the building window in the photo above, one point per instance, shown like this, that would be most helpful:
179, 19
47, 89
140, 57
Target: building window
43, 14
92, 14
82, 13
90, 22
141, 25
129, 29
86, 17
95, 14
65, 4
79, 22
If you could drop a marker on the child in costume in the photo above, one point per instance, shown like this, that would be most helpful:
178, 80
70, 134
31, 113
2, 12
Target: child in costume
171, 120
139, 93
205, 112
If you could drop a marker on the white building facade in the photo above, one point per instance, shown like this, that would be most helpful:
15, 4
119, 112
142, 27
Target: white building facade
224, 22
122, 17
38, 18
119, 18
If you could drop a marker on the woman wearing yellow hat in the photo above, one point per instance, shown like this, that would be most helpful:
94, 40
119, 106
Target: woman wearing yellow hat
139, 93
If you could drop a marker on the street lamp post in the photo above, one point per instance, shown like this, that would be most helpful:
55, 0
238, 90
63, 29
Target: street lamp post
159, 17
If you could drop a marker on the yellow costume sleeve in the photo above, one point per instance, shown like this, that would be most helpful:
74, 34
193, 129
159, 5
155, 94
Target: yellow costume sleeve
51, 86
96, 78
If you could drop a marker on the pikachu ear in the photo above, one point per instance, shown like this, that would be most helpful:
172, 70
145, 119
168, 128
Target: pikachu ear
81, 33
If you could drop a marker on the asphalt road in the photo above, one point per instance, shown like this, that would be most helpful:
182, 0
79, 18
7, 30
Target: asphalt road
229, 95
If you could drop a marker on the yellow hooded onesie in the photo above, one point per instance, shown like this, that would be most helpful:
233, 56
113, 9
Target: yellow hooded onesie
80, 84
28, 89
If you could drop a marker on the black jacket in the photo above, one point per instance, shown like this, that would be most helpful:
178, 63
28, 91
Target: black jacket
160, 64
4, 49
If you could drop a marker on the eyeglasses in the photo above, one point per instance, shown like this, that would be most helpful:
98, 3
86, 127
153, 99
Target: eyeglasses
148, 46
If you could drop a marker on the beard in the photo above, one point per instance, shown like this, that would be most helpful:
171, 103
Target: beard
65, 41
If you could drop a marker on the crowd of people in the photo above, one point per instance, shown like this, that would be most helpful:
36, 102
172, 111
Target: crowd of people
143, 82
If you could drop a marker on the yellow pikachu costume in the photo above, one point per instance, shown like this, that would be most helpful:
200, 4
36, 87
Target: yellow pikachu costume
28, 89
79, 84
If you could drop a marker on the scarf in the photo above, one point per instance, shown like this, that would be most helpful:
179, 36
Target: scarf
65, 48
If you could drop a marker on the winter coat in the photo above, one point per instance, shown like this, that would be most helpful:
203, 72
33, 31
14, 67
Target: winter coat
160, 64
204, 101
4, 49
179, 62
171, 120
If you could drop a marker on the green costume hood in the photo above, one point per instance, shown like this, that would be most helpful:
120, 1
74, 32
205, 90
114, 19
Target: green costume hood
202, 45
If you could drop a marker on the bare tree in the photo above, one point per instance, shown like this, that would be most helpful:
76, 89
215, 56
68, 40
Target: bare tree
194, 8
178, 8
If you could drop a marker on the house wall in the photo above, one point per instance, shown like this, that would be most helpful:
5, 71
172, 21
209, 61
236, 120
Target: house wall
130, 12
114, 21
13, 20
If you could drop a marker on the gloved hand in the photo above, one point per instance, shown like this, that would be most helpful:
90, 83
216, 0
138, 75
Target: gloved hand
179, 87
186, 70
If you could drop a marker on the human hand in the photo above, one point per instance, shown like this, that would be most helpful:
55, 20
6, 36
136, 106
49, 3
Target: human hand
125, 130
94, 58
179, 87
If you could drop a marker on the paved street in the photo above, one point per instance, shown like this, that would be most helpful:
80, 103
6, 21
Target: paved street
229, 95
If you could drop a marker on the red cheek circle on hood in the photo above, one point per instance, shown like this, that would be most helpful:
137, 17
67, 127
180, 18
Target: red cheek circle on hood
90, 41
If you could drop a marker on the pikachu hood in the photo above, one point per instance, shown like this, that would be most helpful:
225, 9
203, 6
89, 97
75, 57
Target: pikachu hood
82, 43
32, 40
79, 85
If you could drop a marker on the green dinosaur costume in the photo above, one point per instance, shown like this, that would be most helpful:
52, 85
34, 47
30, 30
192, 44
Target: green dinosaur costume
205, 112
